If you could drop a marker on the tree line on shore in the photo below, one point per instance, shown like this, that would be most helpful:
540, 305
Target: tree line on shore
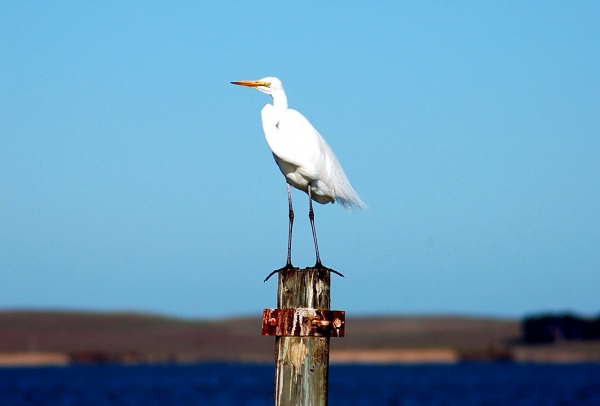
549, 328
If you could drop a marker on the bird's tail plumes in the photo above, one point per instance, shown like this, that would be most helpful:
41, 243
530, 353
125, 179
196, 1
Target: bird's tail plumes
344, 193
347, 197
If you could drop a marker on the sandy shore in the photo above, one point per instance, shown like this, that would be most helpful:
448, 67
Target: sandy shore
33, 359
384, 356
405, 356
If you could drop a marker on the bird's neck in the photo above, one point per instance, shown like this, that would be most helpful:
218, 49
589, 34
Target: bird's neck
280, 101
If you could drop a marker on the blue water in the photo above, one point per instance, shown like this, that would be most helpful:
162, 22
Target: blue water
231, 384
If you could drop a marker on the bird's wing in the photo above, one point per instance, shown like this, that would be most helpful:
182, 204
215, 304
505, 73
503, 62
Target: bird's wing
281, 143
294, 140
316, 160
303, 142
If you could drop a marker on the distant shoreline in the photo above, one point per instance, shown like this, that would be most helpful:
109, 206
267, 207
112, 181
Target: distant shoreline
37, 338
345, 357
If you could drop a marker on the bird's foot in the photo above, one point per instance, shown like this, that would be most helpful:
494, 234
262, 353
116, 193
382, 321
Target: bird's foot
287, 267
320, 266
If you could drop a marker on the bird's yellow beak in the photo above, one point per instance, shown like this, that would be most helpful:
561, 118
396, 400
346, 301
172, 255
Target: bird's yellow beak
252, 83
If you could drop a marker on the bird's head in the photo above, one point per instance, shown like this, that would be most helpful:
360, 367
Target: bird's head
268, 85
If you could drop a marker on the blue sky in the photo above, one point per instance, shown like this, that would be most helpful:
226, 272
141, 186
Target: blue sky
133, 176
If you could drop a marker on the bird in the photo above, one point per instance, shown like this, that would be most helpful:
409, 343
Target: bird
304, 158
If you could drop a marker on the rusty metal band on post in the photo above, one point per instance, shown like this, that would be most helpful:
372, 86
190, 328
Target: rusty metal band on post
303, 322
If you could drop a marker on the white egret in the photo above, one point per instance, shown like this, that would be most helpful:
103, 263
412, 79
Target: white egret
303, 157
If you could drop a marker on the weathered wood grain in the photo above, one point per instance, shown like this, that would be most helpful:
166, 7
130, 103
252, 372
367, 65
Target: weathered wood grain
302, 363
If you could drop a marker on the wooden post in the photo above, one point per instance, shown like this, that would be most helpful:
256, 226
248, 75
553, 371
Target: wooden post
302, 363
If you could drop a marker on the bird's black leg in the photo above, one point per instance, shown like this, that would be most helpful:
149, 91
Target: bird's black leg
311, 216
291, 215
288, 264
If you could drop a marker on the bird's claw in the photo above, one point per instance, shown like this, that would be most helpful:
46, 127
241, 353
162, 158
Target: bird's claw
320, 266
287, 267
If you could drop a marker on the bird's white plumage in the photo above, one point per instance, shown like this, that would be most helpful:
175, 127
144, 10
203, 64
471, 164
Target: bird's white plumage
300, 151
